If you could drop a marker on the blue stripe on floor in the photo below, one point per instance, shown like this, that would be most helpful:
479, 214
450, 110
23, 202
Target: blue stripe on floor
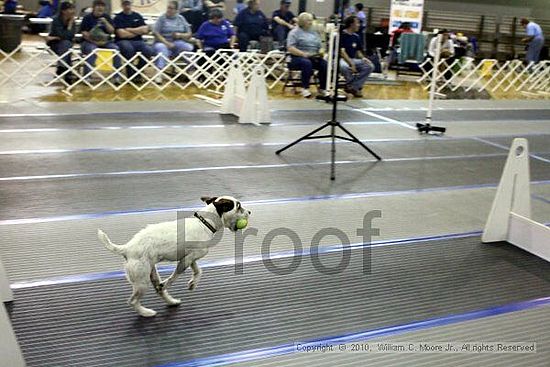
285, 349
78, 278
6, 222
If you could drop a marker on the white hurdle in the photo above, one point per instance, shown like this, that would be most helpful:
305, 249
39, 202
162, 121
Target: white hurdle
9, 348
510, 216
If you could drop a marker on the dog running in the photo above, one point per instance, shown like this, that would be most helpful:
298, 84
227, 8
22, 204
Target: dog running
162, 242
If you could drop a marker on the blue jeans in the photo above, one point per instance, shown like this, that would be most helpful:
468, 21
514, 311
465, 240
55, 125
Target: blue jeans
356, 81
533, 50
306, 66
60, 48
129, 48
161, 48
280, 32
245, 38
87, 49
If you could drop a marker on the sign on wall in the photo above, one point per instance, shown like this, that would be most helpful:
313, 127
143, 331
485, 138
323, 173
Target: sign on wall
406, 11
148, 7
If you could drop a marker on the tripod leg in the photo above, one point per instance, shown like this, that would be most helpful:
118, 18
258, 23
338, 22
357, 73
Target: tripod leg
359, 142
302, 138
333, 153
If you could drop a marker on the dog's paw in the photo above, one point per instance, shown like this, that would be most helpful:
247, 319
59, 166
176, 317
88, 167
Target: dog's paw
147, 312
170, 301
192, 284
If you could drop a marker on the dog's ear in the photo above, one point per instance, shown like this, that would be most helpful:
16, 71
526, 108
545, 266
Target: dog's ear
223, 206
208, 200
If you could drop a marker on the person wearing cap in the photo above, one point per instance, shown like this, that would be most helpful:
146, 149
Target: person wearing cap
129, 29
96, 29
534, 40
172, 35
251, 23
283, 21
60, 39
216, 33
354, 66
304, 45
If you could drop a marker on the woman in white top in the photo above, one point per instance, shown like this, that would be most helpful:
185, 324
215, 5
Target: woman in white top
447, 46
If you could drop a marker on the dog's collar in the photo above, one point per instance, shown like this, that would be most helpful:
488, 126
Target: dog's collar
205, 222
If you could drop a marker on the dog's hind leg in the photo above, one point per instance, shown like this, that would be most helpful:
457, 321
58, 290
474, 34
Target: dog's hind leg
137, 273
161, 291
194, 281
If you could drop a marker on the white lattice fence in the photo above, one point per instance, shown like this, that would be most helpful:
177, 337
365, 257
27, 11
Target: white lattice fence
37, 66
488, 75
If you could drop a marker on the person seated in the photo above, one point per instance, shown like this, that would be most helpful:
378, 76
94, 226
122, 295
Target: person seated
210, 5
283, 21
447, 52
354, 66
447, 46
251, 23
46, 9
360, 14
193, 11
10, 7
304, 45
239, 6
97, 28
60, 39
172, 36
129, 29
404, 27
216, 33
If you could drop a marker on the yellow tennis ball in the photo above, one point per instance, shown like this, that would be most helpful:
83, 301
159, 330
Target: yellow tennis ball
242, 223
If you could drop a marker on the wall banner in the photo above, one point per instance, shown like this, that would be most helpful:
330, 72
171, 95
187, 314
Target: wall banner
144, 7
406, 11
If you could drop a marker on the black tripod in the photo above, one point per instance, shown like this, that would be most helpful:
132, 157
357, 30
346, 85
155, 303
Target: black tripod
333, 123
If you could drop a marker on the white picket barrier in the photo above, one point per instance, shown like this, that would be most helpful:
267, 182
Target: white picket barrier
510, 216
488, 75
37, 65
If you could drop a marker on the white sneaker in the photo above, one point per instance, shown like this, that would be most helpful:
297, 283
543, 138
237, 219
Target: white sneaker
323, 93
158, 79
306, 93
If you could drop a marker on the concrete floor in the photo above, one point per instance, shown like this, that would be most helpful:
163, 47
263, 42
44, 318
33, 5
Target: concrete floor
122, 165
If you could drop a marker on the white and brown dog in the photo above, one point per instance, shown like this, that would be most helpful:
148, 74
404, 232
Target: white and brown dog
166, 242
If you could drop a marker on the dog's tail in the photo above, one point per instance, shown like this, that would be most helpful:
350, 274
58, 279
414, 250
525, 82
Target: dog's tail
117, 249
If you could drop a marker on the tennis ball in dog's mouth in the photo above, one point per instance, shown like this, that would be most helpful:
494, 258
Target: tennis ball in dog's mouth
242, 223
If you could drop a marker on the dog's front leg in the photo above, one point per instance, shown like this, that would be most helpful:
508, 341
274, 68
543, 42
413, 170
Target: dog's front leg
180, 268
197, 272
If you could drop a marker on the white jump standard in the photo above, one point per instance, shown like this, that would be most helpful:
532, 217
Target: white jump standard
510, 216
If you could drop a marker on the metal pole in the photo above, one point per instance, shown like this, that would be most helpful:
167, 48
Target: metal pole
434, 79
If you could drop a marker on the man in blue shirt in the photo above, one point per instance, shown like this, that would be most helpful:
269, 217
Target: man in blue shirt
251, 23
283, 21
215, 33
130, 27
354, 66
534, 40
96, 29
